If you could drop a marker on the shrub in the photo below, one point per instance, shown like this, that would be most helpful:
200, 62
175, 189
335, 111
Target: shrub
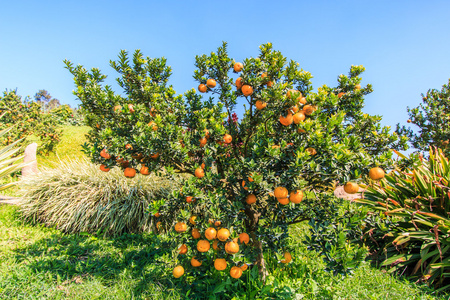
78, 197
252, 177
414, 239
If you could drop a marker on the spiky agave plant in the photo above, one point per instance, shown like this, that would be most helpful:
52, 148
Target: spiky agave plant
417, 204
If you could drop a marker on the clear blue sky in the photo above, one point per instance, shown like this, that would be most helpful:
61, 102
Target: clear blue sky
404, 45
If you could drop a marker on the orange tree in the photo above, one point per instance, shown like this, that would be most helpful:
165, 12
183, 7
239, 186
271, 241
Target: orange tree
249, 178
28, 119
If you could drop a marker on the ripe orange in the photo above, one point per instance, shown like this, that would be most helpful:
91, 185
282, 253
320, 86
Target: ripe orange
192, 219
376, 173
207, 135
183, 249
211, 83
299, 117
203, 142
286, 121
180, 227
287, 258
244, 238
260, 104
217, 223
357, 87
247, 90
195, 233
235, 272
216, 245
294, 109
202, 88
153, 126
220, 264
227, 138
311, 151
129, 172
351, 188
203, 166
263, 75
239, 83
157, 215
270, 83
210, 233
131, 108
144, 170
104, 168
238, 67
300, 130
178, 271
155, 156
243, 185
129, 147
199, 173
117, 108
250, 199
296, 196
280, 192
341, 94
291, 93
105, 154
409, 121
223, 234
244, 267
231, 247
158, 225
195, 263
283, 201
189, 199
203, 246
308, 109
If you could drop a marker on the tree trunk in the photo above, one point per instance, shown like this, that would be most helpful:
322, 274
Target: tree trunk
252, 225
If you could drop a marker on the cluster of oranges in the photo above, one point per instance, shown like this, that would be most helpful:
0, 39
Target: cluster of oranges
376, 173
210, 83
284, 197
204, 245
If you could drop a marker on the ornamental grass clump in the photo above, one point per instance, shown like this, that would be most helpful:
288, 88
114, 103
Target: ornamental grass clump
78, 197
414, 238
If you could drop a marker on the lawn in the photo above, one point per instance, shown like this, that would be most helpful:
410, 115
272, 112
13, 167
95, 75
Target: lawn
43, 263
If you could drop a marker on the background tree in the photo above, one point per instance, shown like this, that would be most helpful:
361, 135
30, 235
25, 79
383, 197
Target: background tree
43, 98
432, 117
250, 178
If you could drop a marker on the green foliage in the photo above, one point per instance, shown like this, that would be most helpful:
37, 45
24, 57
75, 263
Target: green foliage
414, 239
188, 130
77, 197
29, 120
65, 115
432, 117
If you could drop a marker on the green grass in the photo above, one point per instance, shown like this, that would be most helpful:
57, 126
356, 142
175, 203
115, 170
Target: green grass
42, 263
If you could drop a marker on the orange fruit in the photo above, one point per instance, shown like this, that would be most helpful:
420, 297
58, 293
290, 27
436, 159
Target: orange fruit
131, 108
144, 170
280, 192
202, 166
220, 264
158, 225
311, 151
104, 168
105, 154
207, 135
291, 93
192, 219
250, 179
300, 130
199, 173
178, 271
299, 117
203, 142
302, 100
155, 156
216, 245
247, 90
357, 87
409, 121
203, 246
129, 172
340, 94
270, 83
263, 75
283, 201
153, 125
244, 267
189, 199
195, 233
239, 83
231, 247
286, 121
243, 185
250, 199
223, 234
376, 173
157, 215
235, 272
227, 138
210, 233
117, 108
296, 196
244, 238
195, 263
294, 108
202, 88
287, 258
238, 67
183, 249
308, 109
211, 83
180, 227
351, 188
217, 223
260, 104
